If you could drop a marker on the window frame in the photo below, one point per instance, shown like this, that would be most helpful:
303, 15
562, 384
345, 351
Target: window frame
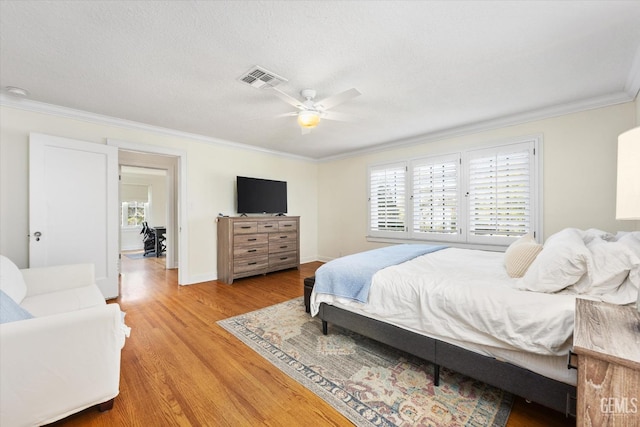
464, 238
505, 150
454, 159
124, 215
403, 165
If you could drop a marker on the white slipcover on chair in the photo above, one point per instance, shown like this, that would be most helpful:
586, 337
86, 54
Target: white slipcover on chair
59, 346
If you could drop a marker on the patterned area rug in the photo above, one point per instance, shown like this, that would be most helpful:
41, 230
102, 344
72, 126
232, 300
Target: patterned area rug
369, 383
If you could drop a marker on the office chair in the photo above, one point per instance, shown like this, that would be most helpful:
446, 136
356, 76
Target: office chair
148, 238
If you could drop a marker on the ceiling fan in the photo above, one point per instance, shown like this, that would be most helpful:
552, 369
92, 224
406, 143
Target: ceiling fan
310, 111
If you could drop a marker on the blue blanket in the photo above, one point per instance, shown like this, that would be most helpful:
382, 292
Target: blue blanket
350, 276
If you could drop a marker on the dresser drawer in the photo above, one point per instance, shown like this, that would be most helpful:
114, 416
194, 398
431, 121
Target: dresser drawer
287, 225
283, 259
250, 251
245, 227
244, 265
276, 239
248, 240
284, 245
267, 227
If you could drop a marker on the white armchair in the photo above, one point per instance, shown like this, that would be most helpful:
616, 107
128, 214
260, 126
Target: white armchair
65, 355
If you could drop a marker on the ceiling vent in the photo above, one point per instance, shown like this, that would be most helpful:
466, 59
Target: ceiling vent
258, 77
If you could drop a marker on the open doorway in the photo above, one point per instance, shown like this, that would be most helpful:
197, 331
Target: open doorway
144, 210
172, 162
154, 175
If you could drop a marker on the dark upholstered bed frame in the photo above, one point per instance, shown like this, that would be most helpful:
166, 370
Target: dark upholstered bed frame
506, 376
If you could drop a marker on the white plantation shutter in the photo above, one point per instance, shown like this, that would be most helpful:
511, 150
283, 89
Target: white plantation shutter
387, 198
500, 192
487, 196
435, 200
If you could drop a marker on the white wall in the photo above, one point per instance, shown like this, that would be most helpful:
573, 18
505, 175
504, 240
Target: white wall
579, 155
579, 179
211, 171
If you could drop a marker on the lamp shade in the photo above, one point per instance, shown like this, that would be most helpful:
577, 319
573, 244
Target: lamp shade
628, 189
308, 119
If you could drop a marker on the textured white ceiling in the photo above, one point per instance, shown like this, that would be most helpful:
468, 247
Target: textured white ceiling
425, 69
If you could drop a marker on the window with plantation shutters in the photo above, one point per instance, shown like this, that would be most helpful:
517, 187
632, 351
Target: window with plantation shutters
479, 197
387, 199
500, 192
435, 190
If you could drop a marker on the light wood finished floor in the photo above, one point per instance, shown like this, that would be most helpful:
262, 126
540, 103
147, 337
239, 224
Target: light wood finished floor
181, 369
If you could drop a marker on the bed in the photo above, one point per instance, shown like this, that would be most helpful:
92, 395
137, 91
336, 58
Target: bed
502, 318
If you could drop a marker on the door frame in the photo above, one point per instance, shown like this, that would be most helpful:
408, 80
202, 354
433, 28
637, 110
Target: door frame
180, 198
148, 162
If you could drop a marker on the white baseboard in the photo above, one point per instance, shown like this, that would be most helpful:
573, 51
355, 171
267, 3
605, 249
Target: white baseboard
192, 280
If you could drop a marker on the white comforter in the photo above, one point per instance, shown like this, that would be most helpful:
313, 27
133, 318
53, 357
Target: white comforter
477, 304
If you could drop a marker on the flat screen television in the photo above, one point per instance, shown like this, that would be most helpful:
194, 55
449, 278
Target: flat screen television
255, 195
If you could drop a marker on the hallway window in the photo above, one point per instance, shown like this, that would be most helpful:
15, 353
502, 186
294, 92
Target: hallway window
134, 213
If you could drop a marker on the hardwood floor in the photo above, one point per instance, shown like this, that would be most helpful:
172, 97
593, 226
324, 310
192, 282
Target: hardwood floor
179, 368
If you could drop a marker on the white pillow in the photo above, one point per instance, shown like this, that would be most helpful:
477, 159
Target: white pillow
630, 239
520, 254
609, 265
561, 263
626, 293
11, 280
10, 311
594, 233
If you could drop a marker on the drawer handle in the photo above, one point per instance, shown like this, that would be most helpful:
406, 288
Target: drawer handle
283, 237
268, 226
287, 225
282, 258
252, 240
252, 263
569, 359
245, 226
252, 250
284, 247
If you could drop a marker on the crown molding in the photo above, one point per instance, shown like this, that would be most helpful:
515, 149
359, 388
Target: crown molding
70, 113
492, 124
628, 95
632, 87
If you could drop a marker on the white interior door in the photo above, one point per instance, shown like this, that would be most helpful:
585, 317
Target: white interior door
73, 200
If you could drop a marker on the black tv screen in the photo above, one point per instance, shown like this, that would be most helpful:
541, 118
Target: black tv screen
255, 195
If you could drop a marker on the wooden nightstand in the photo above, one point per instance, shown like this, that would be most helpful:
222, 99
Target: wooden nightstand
607, 341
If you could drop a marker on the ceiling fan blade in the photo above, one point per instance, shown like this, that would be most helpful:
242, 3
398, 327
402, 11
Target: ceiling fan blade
288, 98
291, 114
262, 117
337, 99
340, 117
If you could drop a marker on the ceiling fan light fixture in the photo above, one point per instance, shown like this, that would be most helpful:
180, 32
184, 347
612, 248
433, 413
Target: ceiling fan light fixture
308, 119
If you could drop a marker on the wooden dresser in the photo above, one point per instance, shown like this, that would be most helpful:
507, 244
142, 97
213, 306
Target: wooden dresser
607, 342
248, 246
